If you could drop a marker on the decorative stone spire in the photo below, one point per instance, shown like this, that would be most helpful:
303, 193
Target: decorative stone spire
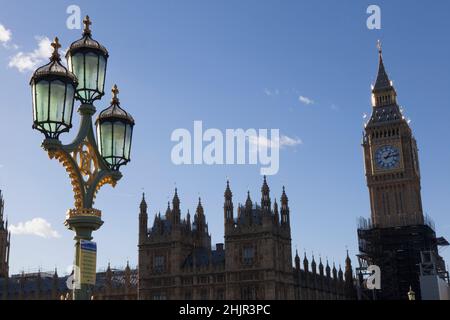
143, 220
305, 263
275, 213
340, 274
284, 208
2, 207
348, 264
349, 285
328, 270
228, 205
313, 265
228, 194
334, 271
188, 220
176, 199
248, 202
168, 211
321, 267
265, 196
297, 261
143, 205
200, 211
127, 275
176, 212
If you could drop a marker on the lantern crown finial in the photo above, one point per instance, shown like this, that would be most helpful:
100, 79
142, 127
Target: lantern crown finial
87, 26
115, 91
56, 46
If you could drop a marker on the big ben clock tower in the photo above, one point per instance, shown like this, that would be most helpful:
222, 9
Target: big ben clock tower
397, 236
391, 159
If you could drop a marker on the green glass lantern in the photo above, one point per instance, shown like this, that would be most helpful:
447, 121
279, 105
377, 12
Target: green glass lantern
87, 59
53, 89
114, 133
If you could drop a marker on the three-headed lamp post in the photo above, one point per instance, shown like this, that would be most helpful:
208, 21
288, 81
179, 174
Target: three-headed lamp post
90, 161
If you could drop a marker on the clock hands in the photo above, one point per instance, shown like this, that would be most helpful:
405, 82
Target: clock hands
390, 155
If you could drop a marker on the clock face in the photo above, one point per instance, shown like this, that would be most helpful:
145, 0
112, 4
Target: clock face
387, 157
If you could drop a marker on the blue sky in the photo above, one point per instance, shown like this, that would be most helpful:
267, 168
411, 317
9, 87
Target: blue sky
231, 64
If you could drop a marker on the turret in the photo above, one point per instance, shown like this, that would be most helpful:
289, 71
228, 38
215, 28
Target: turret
340, 274
55, 285
305, 264
228, 206
265, 197
321, 267
127, 276
276, 214
285, 219
5, 240
313, 266
108, 279
248, 210
297, 261
334, 272
188, 221
328, 270
143, 220
350, 292
176, 212
2, 205
201, 236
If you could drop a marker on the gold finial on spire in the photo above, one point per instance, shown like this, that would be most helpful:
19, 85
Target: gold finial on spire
55, 55
87, 24
115, 92
380, 47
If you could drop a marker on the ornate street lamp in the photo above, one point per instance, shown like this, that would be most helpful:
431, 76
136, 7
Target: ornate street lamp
87, 59
90, 166
53, 89
114, 133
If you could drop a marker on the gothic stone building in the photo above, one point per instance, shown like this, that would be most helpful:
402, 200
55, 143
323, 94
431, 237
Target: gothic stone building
176, 260
5, 239
110, 285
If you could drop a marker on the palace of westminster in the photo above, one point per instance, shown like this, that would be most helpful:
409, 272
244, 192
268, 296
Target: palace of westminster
176, 259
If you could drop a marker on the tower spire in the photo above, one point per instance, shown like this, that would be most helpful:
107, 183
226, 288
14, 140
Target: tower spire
383, 91
2, 204
285, 219
143, 220
382, 81
143, 205
265, 196
228, 204
176, 212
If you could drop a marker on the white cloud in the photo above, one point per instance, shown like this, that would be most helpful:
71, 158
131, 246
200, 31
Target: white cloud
282, 142
305, 100
286, 141
35, 227
5, 34
271, 93
27, 61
